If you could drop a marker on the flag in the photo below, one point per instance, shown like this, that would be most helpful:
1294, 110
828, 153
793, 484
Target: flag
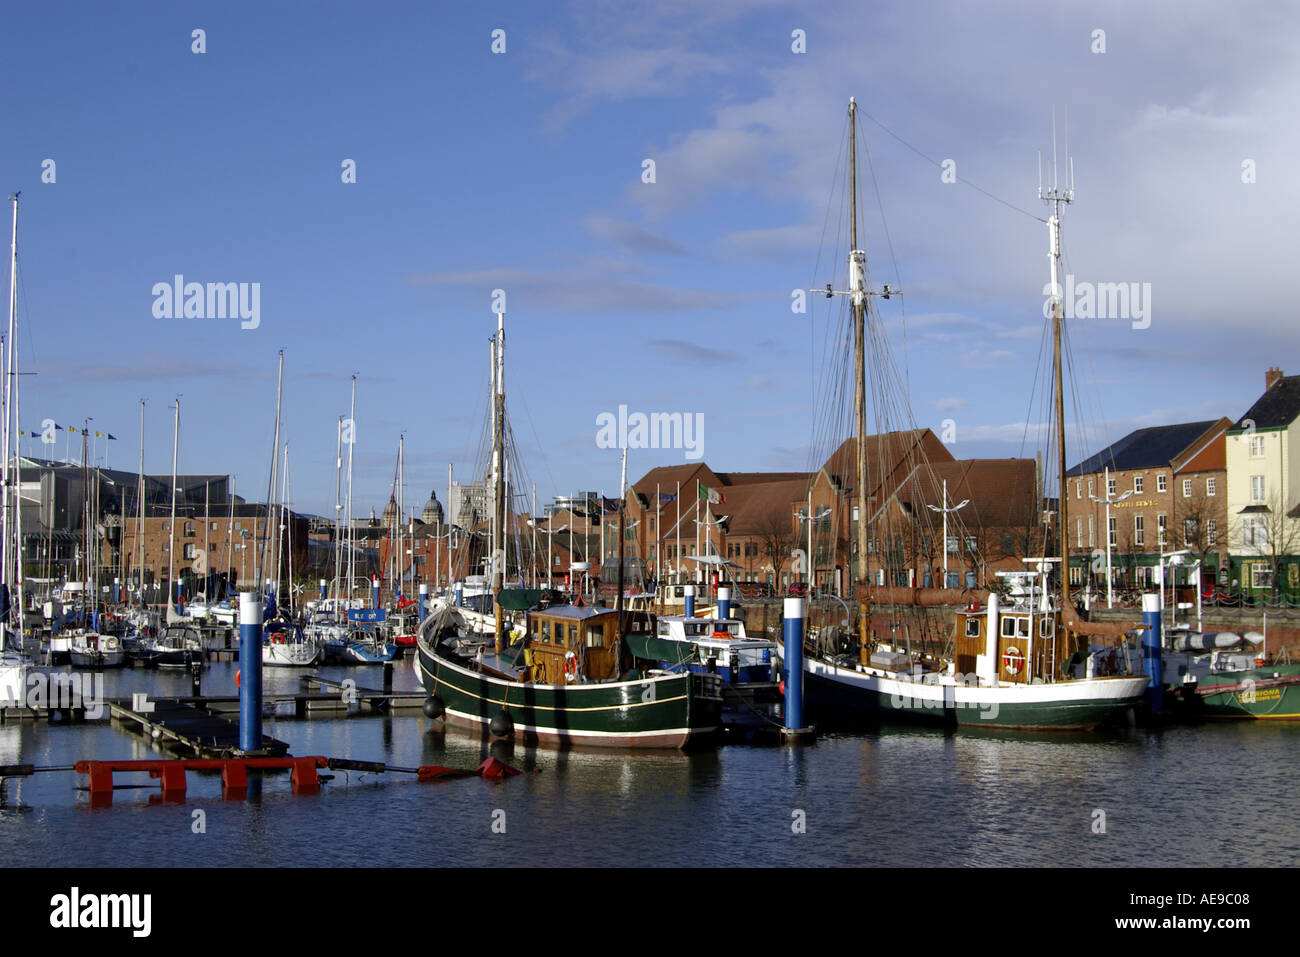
112, 436
73, 428
709, 496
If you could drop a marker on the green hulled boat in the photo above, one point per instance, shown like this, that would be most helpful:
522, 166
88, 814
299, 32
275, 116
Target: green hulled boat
569, 683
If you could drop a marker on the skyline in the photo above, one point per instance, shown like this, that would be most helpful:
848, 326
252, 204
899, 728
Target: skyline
228, 166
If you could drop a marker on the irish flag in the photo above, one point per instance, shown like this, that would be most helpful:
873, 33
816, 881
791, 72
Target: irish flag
709, 496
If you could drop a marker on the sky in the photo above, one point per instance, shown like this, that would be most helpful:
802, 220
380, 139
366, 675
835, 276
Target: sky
525, 171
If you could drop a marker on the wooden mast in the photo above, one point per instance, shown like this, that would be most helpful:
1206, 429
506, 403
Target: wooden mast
858, 293
498, 487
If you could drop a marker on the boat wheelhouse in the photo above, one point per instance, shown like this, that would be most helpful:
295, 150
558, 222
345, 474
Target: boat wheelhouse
719, 646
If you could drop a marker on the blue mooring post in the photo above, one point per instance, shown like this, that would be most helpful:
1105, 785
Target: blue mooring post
460, 595
250, 672
724, 601
323, 592
117, 590
424, 598
689, 593
1151, 652
792, 636
180, 599
374, 592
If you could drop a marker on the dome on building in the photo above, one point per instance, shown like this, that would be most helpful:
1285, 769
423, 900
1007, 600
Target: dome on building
432, 514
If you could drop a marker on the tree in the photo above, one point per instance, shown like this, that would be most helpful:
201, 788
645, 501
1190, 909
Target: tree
776, 541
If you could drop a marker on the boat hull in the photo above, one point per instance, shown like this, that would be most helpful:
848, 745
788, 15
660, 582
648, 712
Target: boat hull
844, 695
291, 655
660, 711
1270, 693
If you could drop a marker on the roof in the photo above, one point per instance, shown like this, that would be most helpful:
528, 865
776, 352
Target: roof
891, 457
1002, 493
1153, 447
1275, 409
751, 508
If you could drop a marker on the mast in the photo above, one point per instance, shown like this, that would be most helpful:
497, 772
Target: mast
622, 535
857, 290
338, 505
207, 572
1054, 197
270, 488
352, 424
139, 508
398, 515
498, 476
5, 527
171, 526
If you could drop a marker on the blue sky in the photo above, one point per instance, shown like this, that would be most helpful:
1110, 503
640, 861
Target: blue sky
522, 171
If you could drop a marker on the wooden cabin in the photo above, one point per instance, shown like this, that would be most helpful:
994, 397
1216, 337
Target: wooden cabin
568, 643
1015, 648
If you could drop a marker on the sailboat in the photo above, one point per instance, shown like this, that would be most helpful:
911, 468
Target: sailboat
13, 666
572, 680
180, 642
285, 643
1033, 664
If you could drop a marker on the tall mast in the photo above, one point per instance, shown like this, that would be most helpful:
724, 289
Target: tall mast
270, 487
207, 572
352, 424
5, 528
498, 469
398, 516
139, 508
857, 290
1054, 197
338, 505
171, 525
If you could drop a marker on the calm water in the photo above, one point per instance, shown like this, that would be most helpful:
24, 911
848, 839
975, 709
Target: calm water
1216, 795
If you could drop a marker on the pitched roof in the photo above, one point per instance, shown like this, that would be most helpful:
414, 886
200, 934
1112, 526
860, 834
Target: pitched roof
1001, 492
1146, 448
1275, 409
891, 456
751, 507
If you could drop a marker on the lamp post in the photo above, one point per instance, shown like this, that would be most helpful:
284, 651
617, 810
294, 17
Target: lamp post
1108, 501
810, 518
550, 542
946, 510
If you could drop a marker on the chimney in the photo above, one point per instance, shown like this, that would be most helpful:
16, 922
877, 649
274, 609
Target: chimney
1271, 376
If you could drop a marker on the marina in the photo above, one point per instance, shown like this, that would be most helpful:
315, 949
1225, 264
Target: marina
887, 458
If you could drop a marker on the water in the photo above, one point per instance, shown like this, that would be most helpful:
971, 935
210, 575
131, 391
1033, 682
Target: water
1208, 796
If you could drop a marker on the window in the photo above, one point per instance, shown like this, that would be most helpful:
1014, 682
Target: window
1008, 544
1161, 483
1078, 533
1078, 489
1261, 576
1091, 535
1211, 532
1110, 487
1090, 488
191, 551
970, 543
1257, 446
1187, 488
952, 545
1190, 531
1253, 531
973, 626
1138, 530
189, 528
1257, 488
1111, 532
1211, 485
212, 526
1160, 533
1137, 483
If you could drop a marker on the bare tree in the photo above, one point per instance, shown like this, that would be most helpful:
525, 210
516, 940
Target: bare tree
1266, 536
776, 541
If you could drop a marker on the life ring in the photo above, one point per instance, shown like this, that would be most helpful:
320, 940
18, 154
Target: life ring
277, 639
570, 665
1013, 660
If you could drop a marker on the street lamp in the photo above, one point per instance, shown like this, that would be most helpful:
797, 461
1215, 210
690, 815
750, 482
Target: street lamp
946, 510
810, 518
1108, 501
550, 541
